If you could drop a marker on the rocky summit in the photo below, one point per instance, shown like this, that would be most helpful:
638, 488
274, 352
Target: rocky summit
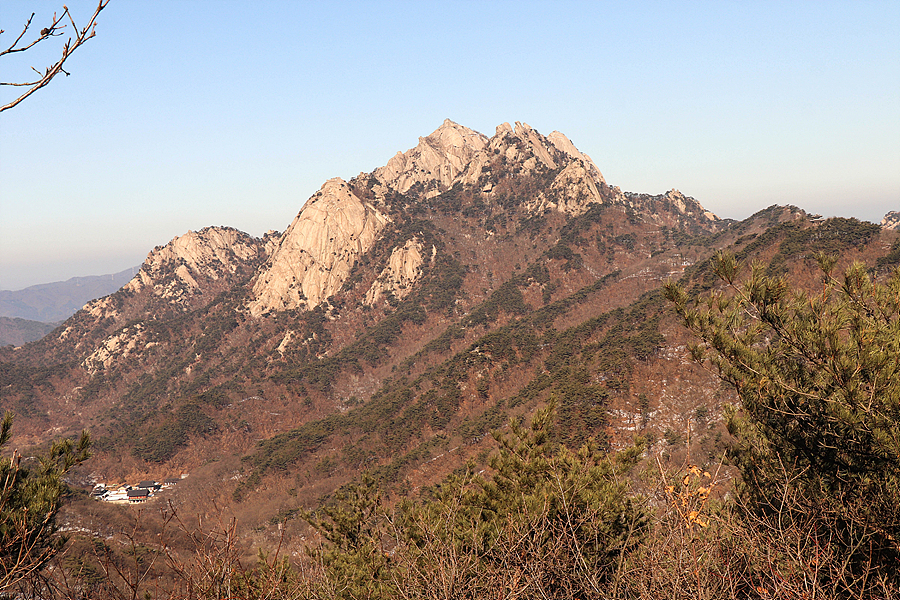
319, 249
174, 271
435, 163
317, 252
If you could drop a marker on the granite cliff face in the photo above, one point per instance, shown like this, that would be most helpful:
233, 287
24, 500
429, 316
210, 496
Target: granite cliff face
185, 272
404, 269
577, 180
177, 277
891, 220
457, 156
316, 253
663, 207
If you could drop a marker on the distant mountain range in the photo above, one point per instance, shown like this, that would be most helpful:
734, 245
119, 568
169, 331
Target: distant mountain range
17, 331
57, 301
29, 314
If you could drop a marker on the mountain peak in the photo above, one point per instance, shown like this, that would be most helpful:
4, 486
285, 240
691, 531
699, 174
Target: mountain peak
176, 270
435, 161
176, 277
453, 135
340, 222
562, 143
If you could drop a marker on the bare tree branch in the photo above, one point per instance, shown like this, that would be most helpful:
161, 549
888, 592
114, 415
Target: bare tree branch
54, 30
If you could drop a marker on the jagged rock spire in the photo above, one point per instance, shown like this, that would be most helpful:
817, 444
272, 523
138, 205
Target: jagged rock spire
436, 160
315, 255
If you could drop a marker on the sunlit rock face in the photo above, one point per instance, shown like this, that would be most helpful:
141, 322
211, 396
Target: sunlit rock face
891, 220
571, 192
576, 180
435, 163
404, 269
177, 270
129, 341
178, 276
316, 253
688, 206
312, 259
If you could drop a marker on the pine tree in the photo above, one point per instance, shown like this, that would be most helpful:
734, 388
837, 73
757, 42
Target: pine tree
817, 435
354, 559
30, 498
549, 523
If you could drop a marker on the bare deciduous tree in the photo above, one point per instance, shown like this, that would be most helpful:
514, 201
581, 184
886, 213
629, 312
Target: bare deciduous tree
55, 29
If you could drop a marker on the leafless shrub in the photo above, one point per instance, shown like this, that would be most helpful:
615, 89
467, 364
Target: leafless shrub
699, 548
55, 29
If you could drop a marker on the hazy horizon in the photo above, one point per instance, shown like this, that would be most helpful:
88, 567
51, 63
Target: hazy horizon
133, 269
179, 116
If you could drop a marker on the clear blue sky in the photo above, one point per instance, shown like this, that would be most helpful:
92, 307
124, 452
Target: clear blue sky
190, 113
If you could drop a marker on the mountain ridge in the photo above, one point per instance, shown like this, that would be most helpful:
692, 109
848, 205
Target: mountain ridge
55, 301
400, 317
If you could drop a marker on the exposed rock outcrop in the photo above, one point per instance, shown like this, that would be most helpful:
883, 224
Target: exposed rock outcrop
672, 209
177, 270
435, 162
318, 250
187, 270
404, 269
891, 220
688, 206
314, 257
117, 347
457, 155
564, 144
270, 241
572, 191
520, 148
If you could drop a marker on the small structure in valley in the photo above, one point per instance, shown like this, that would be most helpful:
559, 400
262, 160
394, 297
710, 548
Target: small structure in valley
138, 495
